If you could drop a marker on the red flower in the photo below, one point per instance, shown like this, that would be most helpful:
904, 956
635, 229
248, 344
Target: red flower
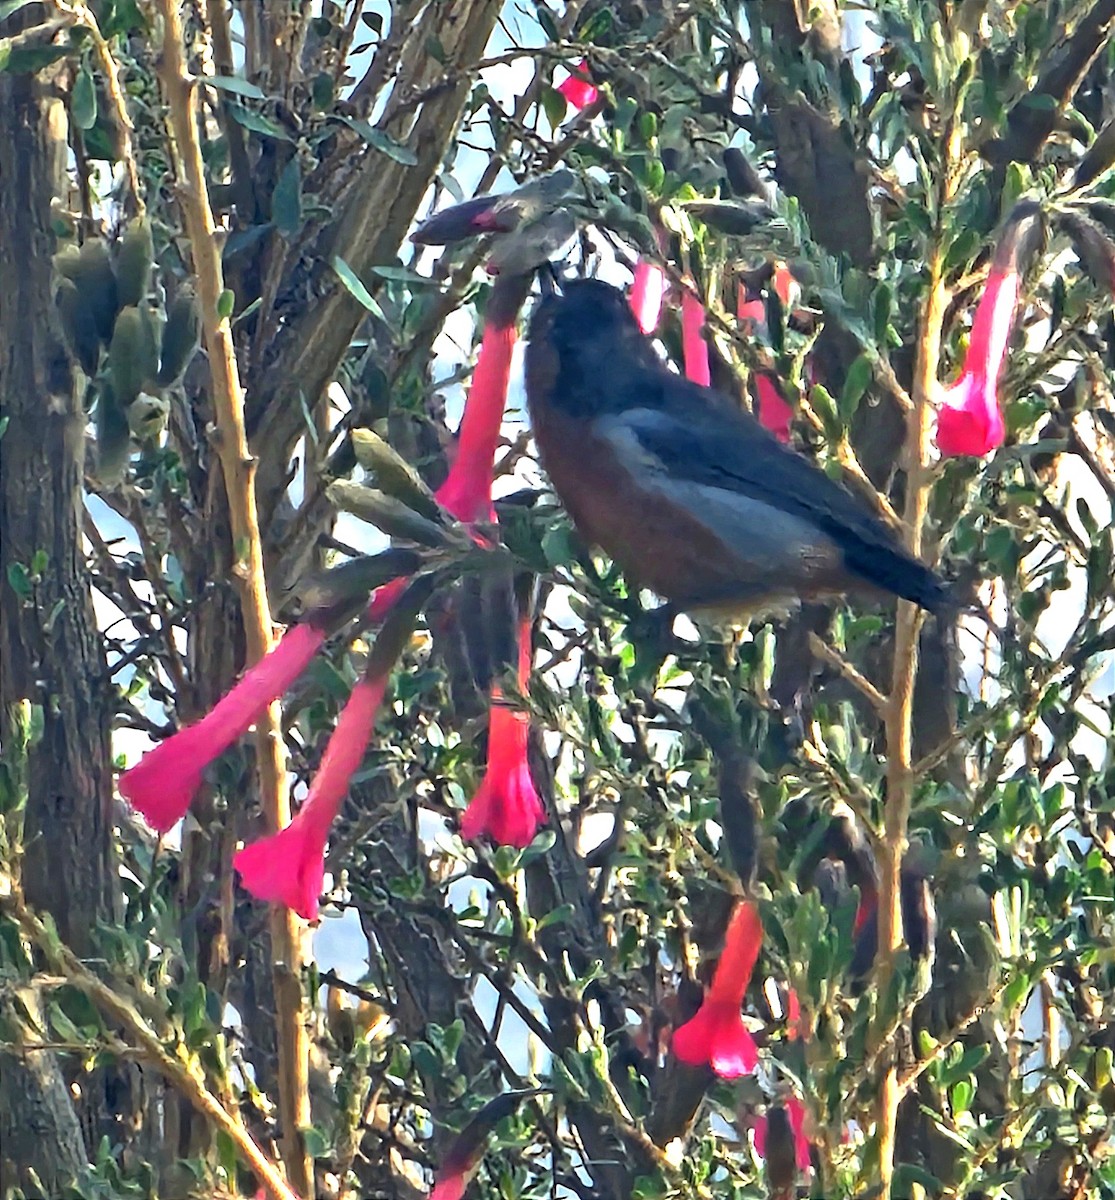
578, 89
970, 422
507, 806
162, 784
795, 1110
646, 294
865, 910
289, 867
450, 1188
693, 345
717, 1034
775, 414
793, 1015
467, 491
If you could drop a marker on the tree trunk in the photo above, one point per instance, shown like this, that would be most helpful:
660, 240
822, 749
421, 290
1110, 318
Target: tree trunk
52, 654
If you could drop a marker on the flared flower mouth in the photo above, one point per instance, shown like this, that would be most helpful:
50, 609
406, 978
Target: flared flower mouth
162, 784
578, 89
506, 807
289, 867
970, 422
717, 1036
793, 1111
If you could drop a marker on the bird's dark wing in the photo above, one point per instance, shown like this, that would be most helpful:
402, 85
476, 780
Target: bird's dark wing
700, 442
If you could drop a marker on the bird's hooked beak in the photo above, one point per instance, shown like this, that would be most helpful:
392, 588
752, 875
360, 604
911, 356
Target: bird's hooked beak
549, 281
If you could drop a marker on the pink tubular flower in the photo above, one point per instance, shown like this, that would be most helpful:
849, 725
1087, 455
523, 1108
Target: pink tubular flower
507, 806
970, 422
162, 784
578, 89
450, 1188
647, 293
467, 491
289, 866
775, 414
795, 1110
693, 345
717, 1034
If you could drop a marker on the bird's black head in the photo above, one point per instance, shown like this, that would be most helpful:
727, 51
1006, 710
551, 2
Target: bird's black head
587, 315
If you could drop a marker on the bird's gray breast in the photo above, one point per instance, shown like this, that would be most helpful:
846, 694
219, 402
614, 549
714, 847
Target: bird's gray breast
763, 545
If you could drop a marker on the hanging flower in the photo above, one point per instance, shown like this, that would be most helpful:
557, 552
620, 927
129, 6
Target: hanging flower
693, 345
774, 413
577, 88
289, 867
467, 491
794, 1111
717, 1035
970, 421
647, 293
162, 784
466, 1151
507, 806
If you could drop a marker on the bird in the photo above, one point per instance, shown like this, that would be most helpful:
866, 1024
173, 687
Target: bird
687, 492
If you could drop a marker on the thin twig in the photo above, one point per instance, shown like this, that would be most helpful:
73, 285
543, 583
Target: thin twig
239, 467
178, 1069
861, 683
83, 15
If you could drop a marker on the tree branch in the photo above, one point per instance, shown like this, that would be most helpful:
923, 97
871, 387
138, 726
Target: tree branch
239, 469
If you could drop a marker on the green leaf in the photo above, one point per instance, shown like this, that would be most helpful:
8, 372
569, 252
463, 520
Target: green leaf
554, 105
549, 25
382, 142
226, 302
353, 285
28, 60
906, 1174
20, 581
7, 7
257, 122
961, 1095
401, 275
83, 99
825, 407
323, 91
856, 383
317, 1143
236, 85
964, 1065
286, 200
556, 916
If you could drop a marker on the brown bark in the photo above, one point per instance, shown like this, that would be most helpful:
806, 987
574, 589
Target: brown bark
39, 1130
52, 654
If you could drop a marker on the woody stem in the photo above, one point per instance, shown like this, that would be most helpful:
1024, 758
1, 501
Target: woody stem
898, 715
238, 468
